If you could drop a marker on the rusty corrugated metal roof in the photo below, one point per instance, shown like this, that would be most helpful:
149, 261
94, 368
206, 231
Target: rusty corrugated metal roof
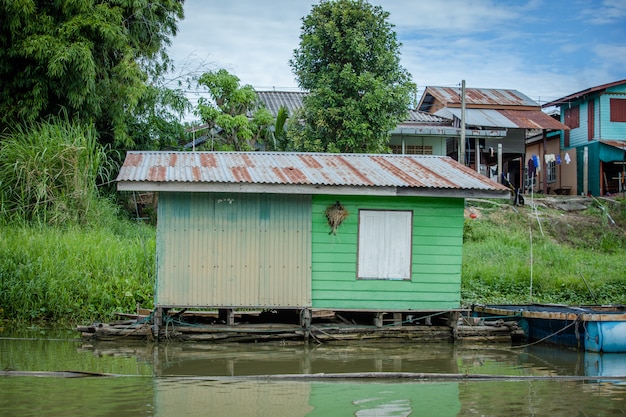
317, 172
493, 97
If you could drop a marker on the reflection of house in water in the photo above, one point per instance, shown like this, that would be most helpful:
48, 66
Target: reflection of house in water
311, 397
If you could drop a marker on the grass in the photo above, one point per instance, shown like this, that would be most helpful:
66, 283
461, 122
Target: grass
566, 258
75, 273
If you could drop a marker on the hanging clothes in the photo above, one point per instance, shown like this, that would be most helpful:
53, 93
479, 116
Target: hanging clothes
536, 162
531, 167
558, 159
567, 158
549, 157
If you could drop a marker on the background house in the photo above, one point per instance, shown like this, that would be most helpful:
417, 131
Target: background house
420, 134
498, 109
307, 231
596, 139
556, 173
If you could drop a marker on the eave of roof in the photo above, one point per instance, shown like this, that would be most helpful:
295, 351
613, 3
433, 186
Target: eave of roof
582, 93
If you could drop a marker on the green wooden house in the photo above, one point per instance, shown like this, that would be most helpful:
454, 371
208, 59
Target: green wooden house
307, 231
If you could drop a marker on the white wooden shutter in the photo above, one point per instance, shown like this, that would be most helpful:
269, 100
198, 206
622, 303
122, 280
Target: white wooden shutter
384, 244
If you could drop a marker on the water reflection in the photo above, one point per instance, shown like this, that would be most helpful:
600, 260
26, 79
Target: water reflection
190, 379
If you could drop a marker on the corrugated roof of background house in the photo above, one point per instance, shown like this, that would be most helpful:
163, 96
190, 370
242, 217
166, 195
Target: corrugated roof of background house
292, 100
492, 97
315, 173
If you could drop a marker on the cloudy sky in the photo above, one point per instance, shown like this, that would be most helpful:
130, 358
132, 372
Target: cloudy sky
544, 48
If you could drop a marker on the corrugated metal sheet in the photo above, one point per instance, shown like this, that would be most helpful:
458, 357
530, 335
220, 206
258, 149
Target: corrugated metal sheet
273, 100
417, 116
233, 250
147, 171
522, 119
480, 96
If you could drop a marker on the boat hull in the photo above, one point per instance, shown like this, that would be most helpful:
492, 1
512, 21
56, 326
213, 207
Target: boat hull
605, 336
594, 329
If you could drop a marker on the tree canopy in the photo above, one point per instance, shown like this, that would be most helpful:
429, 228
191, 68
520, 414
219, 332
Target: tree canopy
90, 58
349, 61
233, 111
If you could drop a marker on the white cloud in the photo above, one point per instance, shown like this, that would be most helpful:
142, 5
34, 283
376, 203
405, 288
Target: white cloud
489, 43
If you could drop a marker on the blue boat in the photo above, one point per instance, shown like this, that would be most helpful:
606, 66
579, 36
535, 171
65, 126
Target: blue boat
590, 328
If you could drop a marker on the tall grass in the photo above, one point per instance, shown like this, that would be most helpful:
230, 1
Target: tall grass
66, 254
49, 172
515, 257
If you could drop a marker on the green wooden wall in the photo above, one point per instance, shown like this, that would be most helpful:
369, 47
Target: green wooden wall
436, 256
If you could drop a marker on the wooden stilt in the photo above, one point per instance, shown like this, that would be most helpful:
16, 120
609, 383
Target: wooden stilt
157, 320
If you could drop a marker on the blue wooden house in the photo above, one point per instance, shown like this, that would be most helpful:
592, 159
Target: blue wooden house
596, 141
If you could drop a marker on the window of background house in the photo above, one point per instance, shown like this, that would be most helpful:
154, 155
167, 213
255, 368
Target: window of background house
618, 110
412, 149
572, 117
384, 250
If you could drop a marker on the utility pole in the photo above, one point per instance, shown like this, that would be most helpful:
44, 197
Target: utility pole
462, 142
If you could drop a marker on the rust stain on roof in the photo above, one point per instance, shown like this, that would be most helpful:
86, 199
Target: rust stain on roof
157, 173
241, 174
134, 159
173, 159
310, 162
196, 172
354, 171
533, 119
295, 175
442, 181
208, 160
397, 171
247, 161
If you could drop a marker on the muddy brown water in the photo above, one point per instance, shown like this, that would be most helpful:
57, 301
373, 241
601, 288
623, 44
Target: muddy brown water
200, 379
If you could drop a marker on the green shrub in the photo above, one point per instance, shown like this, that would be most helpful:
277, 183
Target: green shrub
75, 273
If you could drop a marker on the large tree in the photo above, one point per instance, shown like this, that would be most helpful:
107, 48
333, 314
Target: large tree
91, 58
349, 61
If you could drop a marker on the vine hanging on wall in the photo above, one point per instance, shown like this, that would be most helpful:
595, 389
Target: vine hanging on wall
335, 214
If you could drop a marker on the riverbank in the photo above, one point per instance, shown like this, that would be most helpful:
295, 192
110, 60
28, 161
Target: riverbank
553, 250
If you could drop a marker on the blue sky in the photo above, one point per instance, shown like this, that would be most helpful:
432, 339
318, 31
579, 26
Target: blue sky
545, 49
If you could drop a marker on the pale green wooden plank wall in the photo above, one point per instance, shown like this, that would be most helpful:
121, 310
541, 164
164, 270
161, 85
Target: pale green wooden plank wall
436, 256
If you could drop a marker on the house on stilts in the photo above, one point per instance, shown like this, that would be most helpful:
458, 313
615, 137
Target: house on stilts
305, 232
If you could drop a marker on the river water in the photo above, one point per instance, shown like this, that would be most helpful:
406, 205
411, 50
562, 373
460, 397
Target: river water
199, 379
